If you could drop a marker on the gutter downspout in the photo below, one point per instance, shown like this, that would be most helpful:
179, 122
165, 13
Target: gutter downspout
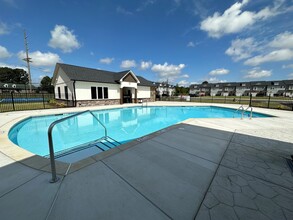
74, 92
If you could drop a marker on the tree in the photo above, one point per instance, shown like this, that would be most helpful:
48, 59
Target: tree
45, 84
180, 90
17, 76
205, 82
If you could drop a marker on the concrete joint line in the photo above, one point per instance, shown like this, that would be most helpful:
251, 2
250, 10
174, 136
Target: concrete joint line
259, 178
128, 183
21, 184
206, 135
184, 151
55, 197
214, 174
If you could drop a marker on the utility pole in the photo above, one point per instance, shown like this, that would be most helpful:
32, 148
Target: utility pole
28, 60
167, 87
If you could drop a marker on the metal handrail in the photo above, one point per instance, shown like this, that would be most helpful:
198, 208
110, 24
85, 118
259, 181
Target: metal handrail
249, 107
51, 147
146, 103
242, 108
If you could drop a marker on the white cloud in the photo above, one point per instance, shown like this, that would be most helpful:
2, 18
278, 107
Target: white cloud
242, 48
13, 66
283, 40
235, 20
121, 10
221, 71
3, 28
215, 80
126, 64
106, 60
47, 70
41, 77
280, 48
63, 39
185, 76
183, 83
190, 44
145, 4
168, 72
290, 76
145, 65
289, 66
41, 59
274, 56
258, 73
4, 53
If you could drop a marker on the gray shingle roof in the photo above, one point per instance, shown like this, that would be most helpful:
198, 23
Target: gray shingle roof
79, 73
144, 82
260, 83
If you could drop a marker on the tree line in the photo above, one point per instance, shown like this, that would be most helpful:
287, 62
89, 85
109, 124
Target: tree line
20, 76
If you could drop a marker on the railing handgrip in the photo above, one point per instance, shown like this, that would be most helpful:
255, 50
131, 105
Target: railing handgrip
51, 145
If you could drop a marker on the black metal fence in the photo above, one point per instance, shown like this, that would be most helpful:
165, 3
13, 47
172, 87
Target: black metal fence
28, 101
284, 103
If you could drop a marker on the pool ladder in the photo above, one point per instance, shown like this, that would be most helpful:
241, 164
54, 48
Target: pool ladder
104, 139
146, 103
243, 110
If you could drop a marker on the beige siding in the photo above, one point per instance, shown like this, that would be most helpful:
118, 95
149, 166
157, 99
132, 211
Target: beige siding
83, 90
143, 92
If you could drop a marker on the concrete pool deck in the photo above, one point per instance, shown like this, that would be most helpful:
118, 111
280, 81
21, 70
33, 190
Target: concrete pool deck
198, 169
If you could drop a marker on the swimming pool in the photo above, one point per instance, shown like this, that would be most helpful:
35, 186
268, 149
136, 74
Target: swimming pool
123, 125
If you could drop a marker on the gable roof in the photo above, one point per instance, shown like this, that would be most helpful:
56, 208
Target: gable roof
123, 75
79, 73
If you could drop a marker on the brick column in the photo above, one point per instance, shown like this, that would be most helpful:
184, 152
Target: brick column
121, 96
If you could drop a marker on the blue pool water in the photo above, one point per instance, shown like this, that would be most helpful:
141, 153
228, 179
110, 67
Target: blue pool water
123, 124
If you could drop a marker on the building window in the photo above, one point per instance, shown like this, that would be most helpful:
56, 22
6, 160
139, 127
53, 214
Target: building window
59, 93
100, 92
66, 92
94, 92
105, 92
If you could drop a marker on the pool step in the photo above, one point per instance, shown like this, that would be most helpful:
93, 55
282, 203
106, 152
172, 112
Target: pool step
107, 144
85, 150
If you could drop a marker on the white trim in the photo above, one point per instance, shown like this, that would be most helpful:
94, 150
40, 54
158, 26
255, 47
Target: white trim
137, 81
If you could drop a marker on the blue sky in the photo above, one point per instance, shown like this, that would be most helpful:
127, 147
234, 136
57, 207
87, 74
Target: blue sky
182, 41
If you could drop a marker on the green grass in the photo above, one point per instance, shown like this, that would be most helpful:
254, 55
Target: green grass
6, 107
275, 102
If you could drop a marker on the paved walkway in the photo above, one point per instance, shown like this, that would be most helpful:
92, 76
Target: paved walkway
199, 169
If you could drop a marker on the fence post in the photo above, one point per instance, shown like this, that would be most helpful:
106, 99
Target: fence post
269, 100
43, 100
12, 99
250, 97
225, 99
200, 99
